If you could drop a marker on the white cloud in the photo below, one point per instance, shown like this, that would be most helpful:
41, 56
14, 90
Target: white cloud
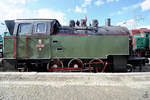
145, 5
134, 6
51, 14
19, 12
83, 7
145, 26
108, 1
129, 23
12, 11
80, 10
123, 9
20, 1
119, 12
86, 3
99, 2
17, 1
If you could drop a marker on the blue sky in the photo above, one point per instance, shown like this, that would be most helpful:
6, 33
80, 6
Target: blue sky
130, 13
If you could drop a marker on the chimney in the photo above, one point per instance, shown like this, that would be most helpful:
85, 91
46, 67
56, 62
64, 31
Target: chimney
108, 22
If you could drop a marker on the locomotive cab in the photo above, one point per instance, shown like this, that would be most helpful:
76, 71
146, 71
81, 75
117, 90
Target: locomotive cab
141, 42
29, 33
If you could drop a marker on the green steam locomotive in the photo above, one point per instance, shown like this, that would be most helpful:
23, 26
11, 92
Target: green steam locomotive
45, 45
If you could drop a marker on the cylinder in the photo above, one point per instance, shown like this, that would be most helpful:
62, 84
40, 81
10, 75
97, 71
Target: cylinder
108, 22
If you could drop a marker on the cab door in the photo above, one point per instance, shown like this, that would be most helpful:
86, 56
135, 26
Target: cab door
23, 30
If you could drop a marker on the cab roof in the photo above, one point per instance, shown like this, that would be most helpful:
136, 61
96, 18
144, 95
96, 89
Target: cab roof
24, 20
11, 23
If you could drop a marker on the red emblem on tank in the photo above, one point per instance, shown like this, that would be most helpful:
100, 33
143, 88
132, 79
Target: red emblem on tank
40, 46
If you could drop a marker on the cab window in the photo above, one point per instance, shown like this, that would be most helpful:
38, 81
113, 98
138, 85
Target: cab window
25, 29
41, 28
